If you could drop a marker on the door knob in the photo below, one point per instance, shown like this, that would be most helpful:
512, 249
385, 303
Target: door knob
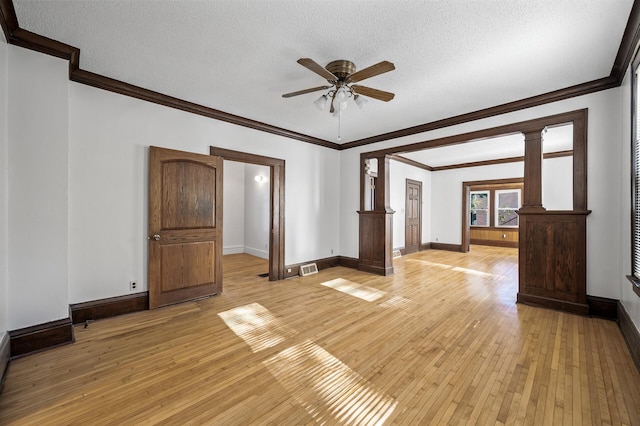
156, 237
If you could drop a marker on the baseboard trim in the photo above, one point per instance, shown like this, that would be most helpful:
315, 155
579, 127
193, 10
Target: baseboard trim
375, 269
327, 262
445, 246
110, 307
425, 246
494, 243
602, 307
630, 334
5, 354
40, 337
558, 305
348, 262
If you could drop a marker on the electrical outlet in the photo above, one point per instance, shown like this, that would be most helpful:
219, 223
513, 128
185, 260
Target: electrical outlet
331, 251
288, 270
133, 285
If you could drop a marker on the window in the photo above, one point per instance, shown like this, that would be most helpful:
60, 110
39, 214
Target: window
480, 208
507, 203
635, 180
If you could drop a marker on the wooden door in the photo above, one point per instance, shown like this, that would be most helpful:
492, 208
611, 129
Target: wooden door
185, 226
413, 217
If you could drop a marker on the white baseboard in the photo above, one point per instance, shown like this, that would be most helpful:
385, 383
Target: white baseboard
232, 250
256, 252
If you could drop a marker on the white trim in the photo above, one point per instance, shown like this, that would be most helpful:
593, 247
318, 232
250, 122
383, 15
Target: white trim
257, 252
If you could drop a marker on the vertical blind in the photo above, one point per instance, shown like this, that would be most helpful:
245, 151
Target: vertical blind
636, 173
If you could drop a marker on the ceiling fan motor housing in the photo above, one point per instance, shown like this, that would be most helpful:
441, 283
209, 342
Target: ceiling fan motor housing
341, 68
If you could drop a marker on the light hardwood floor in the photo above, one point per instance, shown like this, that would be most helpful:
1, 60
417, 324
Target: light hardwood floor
441, 341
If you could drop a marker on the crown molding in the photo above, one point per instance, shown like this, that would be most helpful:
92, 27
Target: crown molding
19, 37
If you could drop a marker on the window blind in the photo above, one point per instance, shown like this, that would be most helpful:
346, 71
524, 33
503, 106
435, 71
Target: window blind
636, 175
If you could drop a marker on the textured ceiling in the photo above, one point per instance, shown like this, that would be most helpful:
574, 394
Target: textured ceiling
451, 56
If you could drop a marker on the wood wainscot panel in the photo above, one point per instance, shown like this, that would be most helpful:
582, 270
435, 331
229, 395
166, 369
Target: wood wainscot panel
375, 242
499, 237
552, 265
40, 337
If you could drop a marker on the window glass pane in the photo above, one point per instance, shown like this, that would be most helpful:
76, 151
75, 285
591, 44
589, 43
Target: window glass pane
508, 202
507, 218
479, 206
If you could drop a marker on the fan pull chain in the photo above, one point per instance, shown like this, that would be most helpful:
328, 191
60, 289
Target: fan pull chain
339, 124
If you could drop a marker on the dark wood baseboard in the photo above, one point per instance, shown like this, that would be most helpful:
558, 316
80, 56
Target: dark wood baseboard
494, 243
375, 269
110, 307
348, 262
445, 246
558, 305
327, 262
425, 246
41, 337
601, 307
5, 354
630, 334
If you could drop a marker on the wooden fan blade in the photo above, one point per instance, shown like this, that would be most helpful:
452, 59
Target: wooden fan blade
373, 93
302, 92
373, 70
317, 68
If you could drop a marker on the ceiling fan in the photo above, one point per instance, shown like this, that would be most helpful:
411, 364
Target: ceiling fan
341, 74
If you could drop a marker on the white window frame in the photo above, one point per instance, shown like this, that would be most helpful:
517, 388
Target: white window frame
488, 209
497, 193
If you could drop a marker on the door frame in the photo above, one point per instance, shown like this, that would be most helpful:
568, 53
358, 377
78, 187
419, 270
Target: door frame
276, 218
466, 192
406, 212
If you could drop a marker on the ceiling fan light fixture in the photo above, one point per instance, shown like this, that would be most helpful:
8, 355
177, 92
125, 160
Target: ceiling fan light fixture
360, 101
321, 102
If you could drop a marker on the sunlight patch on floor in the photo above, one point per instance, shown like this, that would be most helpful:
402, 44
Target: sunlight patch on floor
476, 273
351, 288
327, 387
396, 302
258, 327
426, 262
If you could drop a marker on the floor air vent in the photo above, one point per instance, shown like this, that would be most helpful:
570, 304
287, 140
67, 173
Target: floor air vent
396, 253
308, 269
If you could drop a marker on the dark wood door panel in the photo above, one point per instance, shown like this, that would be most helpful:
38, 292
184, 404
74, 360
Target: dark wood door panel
185, 226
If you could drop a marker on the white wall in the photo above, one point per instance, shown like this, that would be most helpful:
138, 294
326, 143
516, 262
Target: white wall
233, 208
108, 154
38, 181
398, 175
446, 196
4, 191
257, 197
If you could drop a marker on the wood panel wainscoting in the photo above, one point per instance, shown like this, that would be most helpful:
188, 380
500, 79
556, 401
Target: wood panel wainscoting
375, 242
442, 341
553, 260
499, 237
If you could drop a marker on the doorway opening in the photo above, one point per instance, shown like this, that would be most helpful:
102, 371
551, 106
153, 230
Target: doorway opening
275, 179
